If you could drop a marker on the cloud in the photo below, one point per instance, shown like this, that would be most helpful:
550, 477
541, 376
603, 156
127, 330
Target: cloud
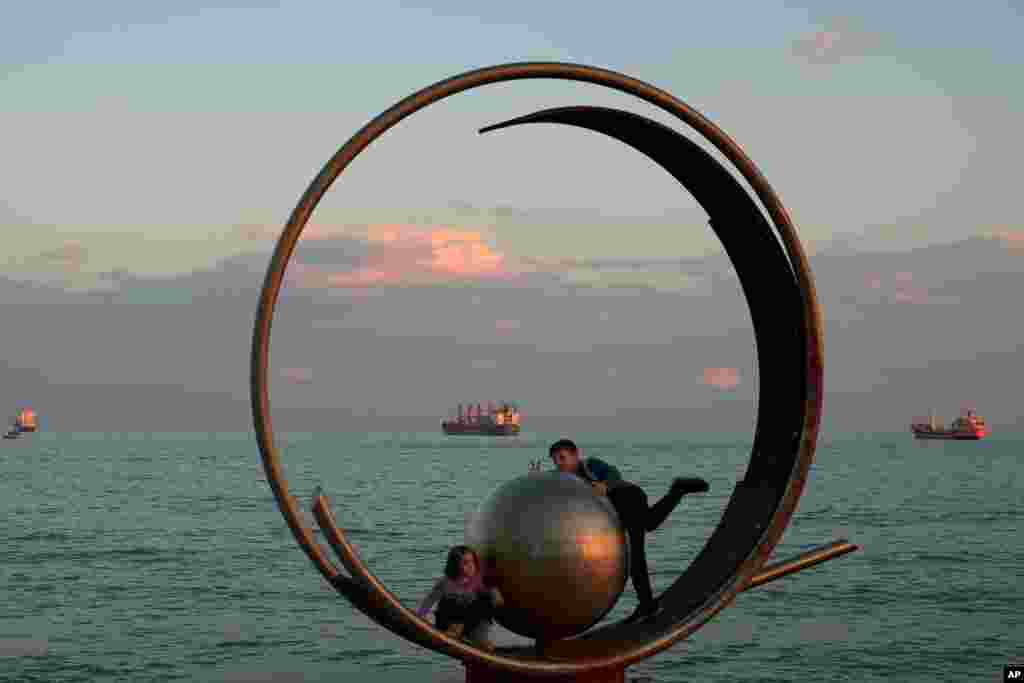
399, 254
388, 255
911, 295
1013, 240
835, 43
258, 232
506, 325
722, 378
297, 375
464, 208
873, 281
658, 280
900, 289
68, 257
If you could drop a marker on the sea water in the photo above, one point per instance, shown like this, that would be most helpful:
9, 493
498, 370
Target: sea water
163, 557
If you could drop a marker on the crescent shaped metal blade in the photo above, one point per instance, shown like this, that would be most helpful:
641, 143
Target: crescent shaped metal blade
738, 223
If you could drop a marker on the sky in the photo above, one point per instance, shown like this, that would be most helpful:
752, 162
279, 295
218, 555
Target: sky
151, 160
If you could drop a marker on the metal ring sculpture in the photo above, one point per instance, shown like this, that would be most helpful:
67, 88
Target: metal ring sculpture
777, 283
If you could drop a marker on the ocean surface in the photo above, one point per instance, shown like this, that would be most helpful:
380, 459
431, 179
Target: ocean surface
163, 557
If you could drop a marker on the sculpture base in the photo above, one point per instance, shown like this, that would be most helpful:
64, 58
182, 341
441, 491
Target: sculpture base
479, 673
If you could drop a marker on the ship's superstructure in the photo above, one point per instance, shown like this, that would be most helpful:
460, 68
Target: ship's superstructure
24, 422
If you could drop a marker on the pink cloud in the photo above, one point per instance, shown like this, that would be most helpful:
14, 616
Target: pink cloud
1013, 240
69, 256
824, 41
903, 278
911, 295
722, 378
297, 375
837, 42
317, 232
305, 276
900, 289
873, 281
409, 255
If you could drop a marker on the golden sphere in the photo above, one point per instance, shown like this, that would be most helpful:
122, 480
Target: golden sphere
555, 549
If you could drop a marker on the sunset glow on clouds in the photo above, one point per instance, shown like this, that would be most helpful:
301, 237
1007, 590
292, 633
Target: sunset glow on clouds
396, 254
906, 292
721, 378
406, 255
1011, 239
297, 375
70, 256
900, 288
837, 42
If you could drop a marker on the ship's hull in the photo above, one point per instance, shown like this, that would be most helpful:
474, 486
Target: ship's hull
454, 429
948, 436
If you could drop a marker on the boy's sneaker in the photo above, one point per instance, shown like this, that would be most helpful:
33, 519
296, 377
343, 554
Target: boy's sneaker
689, 485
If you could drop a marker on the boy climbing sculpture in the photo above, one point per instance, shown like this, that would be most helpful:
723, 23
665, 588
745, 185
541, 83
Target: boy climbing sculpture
630, 502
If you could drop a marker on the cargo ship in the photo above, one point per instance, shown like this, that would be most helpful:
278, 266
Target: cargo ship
24, 422
968, 427
498, 420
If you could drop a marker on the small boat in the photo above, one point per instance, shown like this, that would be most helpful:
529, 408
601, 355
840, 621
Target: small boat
968, 427
24, 422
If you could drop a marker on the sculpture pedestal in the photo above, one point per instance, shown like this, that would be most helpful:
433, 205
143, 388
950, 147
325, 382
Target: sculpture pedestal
479, 673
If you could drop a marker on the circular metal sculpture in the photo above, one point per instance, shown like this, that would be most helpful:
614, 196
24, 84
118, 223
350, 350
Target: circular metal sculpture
776, 280
549, 534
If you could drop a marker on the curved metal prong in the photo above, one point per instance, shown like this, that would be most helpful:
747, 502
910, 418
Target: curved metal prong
304, 536
360, 593
385, 607
805, 560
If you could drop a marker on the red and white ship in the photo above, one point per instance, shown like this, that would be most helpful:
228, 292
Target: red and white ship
968, 427
500, 420
24, 422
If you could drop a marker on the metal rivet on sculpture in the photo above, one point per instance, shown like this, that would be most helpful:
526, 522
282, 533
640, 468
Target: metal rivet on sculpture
776, 281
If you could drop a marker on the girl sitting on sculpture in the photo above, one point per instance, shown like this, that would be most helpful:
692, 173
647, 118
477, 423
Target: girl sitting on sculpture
465, 605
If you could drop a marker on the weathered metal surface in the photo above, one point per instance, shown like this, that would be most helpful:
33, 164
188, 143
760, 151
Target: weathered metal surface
806, 560
555, 549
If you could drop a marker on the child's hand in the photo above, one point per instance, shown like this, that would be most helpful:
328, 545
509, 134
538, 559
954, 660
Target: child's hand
497, 598
600, 488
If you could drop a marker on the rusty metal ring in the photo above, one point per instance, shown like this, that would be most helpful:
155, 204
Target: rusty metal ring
761, 505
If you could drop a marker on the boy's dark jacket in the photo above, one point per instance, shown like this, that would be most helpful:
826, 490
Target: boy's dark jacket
595, 469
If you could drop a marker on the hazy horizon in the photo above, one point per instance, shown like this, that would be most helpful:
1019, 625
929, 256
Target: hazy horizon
145, 185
